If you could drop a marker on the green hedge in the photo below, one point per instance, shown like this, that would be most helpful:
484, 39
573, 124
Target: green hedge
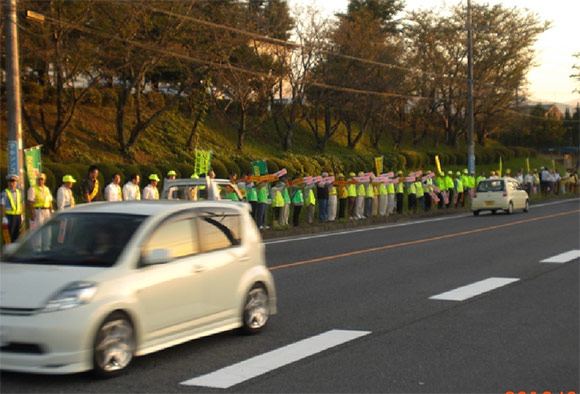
219, 168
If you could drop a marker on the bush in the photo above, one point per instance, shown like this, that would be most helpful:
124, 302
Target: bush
184, 170
413, 159
244, 164
108, 169
108, 97
272, 166
219, 168
460, 158
230, 166
93, 97
402, 162
127, 170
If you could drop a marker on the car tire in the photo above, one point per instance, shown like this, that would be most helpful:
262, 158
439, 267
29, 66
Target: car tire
256, 310
114, 345
510, 209
493, 211
527, 206
475, 213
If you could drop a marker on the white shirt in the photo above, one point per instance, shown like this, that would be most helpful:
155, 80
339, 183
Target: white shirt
529, 178
131, 191
113, 192
150, 193
64, 198
520, 178
44, 194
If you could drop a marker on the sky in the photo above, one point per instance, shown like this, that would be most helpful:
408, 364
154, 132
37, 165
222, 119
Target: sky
550, 80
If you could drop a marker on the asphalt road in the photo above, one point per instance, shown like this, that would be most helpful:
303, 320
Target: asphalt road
378, 282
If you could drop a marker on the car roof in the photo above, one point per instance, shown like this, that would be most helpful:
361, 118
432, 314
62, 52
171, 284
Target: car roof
150, 207
193, 182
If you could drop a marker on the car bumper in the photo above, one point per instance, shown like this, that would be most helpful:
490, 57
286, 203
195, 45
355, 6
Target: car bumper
483, 205
51, 343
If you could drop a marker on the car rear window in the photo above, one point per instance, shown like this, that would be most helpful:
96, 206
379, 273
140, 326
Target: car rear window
491, 186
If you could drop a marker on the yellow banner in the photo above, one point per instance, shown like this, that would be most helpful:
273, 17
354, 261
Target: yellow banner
379, 164
438, 164
528, 164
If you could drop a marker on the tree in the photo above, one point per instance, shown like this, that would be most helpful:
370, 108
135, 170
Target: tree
59, 56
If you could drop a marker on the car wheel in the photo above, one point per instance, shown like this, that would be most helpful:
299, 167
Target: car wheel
475, 213
114, 345
493, 211
510, 209
527, 206
256, 310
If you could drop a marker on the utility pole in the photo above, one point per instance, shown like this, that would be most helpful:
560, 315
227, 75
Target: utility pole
15, 161
470, 142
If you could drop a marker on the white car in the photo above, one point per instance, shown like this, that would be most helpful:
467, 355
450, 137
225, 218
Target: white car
496, 194
101, 283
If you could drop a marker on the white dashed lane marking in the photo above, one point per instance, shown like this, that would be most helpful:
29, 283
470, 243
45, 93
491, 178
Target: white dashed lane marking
563, 257
259, 365
474, 289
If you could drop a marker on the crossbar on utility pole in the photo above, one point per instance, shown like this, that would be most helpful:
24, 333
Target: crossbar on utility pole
470, 141
14, 119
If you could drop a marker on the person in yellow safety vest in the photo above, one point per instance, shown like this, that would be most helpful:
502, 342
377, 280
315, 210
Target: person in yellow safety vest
391, 202
427, 189
332, 201
262, 205
252, 193
150, 191
40, 202
310, 202
369, 198
298, 202
64, 194
342, 198
480, 178
285, 214
351, 197
419, 194
459, 190
412, 196
277, 202
440, 182
375, 198
536, 181
450, 185
11, 204
360, 198
399, 188
383, 199
466, 187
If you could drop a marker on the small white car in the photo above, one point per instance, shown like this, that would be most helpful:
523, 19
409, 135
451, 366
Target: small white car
196, 189
499, 194
101, 283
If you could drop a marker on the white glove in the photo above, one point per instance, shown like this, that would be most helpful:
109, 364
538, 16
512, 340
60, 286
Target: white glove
4, 221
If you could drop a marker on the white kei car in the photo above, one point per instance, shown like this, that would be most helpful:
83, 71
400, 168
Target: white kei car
101, 283
499, 194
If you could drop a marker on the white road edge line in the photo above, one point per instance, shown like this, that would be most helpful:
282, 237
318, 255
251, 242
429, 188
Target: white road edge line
372, 228
474, 289
563, 257
264, 363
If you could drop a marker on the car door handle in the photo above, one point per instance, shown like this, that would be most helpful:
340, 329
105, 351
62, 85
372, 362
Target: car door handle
198, 268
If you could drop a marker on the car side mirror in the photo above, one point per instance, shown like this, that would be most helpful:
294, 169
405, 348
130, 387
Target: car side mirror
157, 256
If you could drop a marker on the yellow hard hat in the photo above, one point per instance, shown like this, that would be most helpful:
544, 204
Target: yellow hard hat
171, 172
68, 178
352, 174
194, 176
153, 177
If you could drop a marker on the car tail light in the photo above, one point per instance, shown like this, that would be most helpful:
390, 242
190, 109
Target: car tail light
474, 195
505, 194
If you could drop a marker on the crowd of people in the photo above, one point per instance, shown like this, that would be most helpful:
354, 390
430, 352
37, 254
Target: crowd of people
356, 197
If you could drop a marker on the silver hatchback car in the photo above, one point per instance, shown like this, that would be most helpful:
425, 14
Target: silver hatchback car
499, 194
101, 283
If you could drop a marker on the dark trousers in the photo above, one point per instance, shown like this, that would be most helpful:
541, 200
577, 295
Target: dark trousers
14, 223
412, 202
262, 208
351, 206
426, 201
440, 204
450, 197
368, 207
254, 205
399, 202
296, 215
323, 209
342, 203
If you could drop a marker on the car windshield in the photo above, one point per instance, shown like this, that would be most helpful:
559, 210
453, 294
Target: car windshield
86, 239
491, 186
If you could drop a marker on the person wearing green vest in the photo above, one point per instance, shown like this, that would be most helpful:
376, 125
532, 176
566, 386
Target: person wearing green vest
285, 214
440, 183
450, 185
419, 193
277, 201
11, 208
465, 182
383, 199
391, 201
369, 198
351, 196
310, 202
360, 199
262, 204
332, 200
427, 189
252, 195
400, 191
298, 202
412, 195
459, 190
342, 197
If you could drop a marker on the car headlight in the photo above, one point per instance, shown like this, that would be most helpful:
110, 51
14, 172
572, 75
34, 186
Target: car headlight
71, 296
